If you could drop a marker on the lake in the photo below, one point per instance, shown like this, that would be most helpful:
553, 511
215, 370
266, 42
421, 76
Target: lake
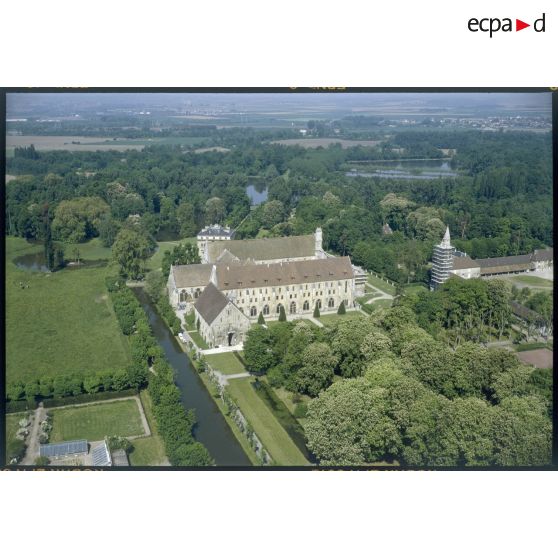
427, 169
257, 193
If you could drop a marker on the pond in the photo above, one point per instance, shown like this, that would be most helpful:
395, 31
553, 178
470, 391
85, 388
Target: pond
37, 262
211, 429
257, 192
427, 169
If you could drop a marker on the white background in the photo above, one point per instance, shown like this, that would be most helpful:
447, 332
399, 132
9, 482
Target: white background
269, 514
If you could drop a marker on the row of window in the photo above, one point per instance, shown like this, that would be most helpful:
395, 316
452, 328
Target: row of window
292, 307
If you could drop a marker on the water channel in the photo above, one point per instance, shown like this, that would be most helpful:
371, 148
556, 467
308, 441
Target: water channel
211, 428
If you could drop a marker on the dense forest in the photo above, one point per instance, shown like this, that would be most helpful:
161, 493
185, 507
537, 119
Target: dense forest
383, 389
500, 202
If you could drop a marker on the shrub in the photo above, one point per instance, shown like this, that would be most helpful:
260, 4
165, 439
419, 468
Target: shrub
341, 309
42, 460
316, 311
300, 410
15, 450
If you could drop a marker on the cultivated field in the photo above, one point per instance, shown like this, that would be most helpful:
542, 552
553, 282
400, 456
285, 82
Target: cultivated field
63, 323
70, 143
313, 143
94, 422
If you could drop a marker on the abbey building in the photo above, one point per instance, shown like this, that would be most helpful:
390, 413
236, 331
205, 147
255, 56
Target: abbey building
239, 279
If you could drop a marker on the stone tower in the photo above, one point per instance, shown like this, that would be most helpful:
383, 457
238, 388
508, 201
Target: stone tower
318, 248
442, 261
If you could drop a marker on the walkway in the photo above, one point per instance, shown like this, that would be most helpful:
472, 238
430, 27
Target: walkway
218, 350
32, 451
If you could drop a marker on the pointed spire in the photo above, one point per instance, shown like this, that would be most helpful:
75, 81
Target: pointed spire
446, 242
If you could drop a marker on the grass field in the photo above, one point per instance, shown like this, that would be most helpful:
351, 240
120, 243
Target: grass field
227, 363
63, 323
149, 450
332, 318
381, 284
94, 422
86, 143
156, 259
415, 289
234, 427
273, 436
198, 340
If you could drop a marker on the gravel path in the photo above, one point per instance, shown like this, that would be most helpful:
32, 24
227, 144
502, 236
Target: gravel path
33, 440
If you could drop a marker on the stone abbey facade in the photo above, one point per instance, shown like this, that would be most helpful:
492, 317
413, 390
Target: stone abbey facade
240, 279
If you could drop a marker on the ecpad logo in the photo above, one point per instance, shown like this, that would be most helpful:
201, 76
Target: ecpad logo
493, 25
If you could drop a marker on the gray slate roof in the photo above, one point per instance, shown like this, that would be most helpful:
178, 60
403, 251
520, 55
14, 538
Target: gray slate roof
504, 261
464, 262
543, 255
262, 249
194, 275
211, 303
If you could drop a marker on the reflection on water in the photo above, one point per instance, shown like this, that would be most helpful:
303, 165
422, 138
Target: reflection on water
257, 193
37, 262
407, 170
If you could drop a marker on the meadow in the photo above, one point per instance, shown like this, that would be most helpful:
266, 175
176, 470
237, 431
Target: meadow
59, 323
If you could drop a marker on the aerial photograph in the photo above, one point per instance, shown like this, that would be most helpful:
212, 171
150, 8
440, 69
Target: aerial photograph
279, 279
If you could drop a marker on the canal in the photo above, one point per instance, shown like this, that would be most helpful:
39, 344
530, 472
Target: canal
211, 428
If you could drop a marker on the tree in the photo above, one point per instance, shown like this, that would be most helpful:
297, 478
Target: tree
261, 319
258, 350
282, 315
78, 219
155, 284
186, 219
273, 212
348, 425
108, 230
346, 342
316, 313
375, 346
130, 251
341, 310
214, 211
182, 254
316, 373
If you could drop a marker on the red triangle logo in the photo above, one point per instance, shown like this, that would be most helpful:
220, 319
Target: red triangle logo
519, 25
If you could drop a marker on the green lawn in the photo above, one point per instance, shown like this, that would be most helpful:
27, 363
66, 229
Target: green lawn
381, 284
150, 450
273, 436
415, 289
332, 318
92, 250
63, 323
242, 440
227, 363
94, 422
198, 340
156, 260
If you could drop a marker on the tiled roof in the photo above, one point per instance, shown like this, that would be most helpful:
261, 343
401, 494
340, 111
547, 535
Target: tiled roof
242, 276
194, 275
